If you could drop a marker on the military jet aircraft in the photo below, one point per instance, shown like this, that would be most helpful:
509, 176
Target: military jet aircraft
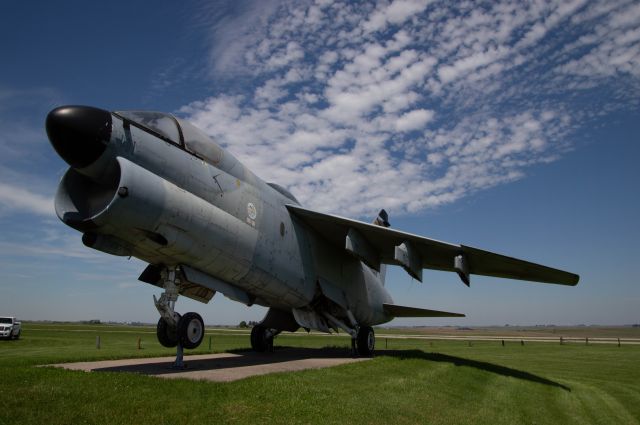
153, 186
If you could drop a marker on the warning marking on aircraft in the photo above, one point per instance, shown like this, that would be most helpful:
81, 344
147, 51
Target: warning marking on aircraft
223, 367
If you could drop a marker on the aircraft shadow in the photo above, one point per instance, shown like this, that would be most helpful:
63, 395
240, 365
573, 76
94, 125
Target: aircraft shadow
460, 361
283, 354
243, 358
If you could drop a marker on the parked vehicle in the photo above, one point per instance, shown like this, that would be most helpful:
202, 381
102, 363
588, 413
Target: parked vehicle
9, 328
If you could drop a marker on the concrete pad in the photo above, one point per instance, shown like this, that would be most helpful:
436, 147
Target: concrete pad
223, 367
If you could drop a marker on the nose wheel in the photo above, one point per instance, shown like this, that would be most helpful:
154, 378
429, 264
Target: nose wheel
190, 330
167, 333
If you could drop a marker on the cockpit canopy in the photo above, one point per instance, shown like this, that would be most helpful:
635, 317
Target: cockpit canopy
186, 136
163, 124
193, 140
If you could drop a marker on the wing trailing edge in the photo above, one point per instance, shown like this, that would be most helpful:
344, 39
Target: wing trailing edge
402, 311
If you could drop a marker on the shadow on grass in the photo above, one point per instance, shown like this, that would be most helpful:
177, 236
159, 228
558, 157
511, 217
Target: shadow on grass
460, 361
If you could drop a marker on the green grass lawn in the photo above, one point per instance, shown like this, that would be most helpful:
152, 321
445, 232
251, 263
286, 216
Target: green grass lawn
415, 381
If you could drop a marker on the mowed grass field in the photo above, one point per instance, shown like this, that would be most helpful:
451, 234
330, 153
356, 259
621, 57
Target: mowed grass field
414, 381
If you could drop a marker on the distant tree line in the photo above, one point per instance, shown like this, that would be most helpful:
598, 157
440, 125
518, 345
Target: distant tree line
249, 324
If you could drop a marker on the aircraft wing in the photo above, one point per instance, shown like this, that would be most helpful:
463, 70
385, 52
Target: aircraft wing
376, 244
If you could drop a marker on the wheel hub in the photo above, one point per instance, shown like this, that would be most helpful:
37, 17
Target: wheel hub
194, 331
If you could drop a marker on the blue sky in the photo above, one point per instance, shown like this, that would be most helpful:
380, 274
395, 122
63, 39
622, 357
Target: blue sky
508, 126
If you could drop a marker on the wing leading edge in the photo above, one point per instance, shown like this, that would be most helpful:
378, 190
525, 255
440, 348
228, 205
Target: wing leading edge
376, 244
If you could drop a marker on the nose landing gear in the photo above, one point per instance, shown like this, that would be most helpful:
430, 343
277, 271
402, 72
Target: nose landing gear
174, 330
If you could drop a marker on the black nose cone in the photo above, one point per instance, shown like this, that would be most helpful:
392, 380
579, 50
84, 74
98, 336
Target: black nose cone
79, 133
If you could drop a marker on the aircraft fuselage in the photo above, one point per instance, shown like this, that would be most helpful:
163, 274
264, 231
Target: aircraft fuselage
146, 195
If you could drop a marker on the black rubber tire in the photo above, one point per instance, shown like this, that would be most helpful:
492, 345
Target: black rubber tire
167, 335
366, 341
259, 340
191, 330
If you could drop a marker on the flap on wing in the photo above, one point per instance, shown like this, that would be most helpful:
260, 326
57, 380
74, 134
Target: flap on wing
402, 311
433, 254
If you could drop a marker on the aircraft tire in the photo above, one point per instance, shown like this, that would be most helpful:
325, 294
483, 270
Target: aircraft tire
366, 341
259, 340
167, 336
191, 330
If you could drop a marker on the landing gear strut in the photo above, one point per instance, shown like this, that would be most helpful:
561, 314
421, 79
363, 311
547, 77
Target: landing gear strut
174, 330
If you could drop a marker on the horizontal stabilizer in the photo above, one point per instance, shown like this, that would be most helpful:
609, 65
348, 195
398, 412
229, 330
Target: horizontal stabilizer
402, 311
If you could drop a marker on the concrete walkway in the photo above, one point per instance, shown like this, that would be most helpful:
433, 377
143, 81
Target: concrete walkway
223, 367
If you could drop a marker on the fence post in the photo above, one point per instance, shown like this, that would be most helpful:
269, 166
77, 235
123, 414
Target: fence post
209, 342
98, 342
618, 342
522, 342
386, 343
586, 341
139, 343
560, 340
503, 342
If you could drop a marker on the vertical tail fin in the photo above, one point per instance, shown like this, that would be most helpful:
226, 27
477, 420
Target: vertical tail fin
382, 220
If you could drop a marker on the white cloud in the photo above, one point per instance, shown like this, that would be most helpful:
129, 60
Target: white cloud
395, 13
613, 47
414, 120
15, 198
411, 105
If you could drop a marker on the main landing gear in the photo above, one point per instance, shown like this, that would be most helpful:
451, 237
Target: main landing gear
365, 341
174, 330
262, 338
